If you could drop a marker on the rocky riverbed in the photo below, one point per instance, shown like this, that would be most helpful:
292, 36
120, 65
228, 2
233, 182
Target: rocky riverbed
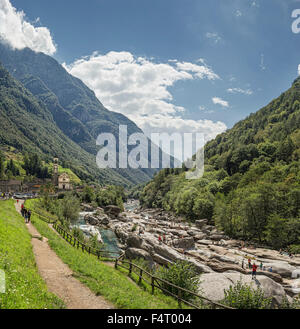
162, 238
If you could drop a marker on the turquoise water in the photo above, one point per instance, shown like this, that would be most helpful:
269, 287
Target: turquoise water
110, 243
109, 238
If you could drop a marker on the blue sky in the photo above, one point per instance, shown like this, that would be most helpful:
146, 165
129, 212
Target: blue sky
244, 50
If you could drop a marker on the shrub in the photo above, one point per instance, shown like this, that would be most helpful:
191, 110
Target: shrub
183, 275
243, 296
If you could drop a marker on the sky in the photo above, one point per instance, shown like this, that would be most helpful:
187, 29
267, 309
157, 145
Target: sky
171, 65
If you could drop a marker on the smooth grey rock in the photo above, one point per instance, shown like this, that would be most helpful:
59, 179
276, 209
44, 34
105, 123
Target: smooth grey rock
185, 243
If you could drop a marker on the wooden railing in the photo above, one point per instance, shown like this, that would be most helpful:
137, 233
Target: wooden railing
158, 283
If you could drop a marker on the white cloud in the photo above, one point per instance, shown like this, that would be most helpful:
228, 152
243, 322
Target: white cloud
220, 101
238, 13
19, 33
240, 91
213, 36
299, 69
139, 88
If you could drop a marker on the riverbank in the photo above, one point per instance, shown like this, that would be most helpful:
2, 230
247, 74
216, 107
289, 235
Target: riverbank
162, 238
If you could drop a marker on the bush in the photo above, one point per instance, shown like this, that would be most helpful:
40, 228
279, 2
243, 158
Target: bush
181, 274
242, 296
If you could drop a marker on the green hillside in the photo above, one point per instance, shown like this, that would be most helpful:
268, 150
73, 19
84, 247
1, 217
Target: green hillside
251, 184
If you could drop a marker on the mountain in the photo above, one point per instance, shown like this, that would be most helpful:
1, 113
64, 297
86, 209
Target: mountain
75, 109
28, 125
251, 184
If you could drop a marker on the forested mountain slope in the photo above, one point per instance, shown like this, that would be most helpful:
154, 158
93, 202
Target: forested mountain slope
75, 108
27, 125
251, 184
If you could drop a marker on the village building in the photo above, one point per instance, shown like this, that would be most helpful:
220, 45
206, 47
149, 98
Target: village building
64, 182
10, 186
60, 181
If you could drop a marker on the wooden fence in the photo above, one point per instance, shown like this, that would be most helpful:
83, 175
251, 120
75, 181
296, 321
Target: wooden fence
161, 284
120, 261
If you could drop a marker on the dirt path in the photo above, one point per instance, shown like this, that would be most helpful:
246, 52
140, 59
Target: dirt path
58, 276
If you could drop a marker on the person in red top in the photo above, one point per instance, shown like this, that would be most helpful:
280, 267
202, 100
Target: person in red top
22, 205
159, 239
254, 268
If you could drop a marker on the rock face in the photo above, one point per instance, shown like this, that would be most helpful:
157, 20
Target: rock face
134, 241
132, 253
91, 231
87, 207
282, 268
201, 223
185, 243
213, 285
97, 220
113, 211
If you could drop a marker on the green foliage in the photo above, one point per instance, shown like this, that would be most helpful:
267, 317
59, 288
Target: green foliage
111, 195
183, 275
243, 296
33, 166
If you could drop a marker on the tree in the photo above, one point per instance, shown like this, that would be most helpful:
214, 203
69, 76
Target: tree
2, 166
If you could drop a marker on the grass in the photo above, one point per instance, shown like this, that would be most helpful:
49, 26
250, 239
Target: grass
102, 279
25, 289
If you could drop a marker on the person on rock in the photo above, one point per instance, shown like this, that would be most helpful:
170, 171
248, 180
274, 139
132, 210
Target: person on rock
254, 268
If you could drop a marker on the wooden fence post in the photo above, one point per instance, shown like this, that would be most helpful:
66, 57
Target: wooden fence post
179, 298
130, 268
152, 284
141, 276
116, 263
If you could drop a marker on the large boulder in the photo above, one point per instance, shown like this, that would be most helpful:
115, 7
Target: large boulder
200, 223
87, 207
113, 211
91, 219
173, 256
91, 231
121, 234
284, 269
216, 237
213, 284
185, 243
134, 241
161, 260
133, 253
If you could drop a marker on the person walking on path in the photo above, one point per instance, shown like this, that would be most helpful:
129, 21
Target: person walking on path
261, 266
28, 215
254, 268
25, 215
